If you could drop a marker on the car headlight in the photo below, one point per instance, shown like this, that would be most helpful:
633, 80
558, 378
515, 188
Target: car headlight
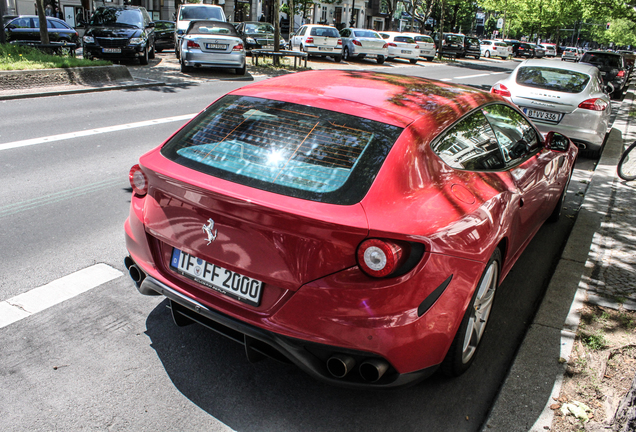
250, 40
136, 41
89, 39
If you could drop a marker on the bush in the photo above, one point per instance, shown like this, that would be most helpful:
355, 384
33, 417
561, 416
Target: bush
20, 57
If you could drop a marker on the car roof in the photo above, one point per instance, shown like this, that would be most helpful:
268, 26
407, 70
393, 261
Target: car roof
578, 67
597, 52
393, 99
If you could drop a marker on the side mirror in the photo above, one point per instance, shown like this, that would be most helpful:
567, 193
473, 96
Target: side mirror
180, 32
608, 88
151, 24
557, 142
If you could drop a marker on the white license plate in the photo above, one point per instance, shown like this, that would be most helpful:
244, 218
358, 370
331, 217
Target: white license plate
225, 281
406, 52
216, 46
542, 115
325, 49
111, 50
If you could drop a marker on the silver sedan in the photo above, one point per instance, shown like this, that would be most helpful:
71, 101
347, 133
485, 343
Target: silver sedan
212, 44
361, 43
566, 98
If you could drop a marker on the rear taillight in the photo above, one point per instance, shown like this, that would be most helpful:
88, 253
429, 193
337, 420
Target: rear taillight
386, 45
501, 90
594, 104
138, 180
309, 40
355, 42
380, 258
339, 41
391, 44
620, 74
417, 47
238, 47
193, 44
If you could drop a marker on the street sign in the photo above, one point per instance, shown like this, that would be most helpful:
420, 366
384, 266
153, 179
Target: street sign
500, 23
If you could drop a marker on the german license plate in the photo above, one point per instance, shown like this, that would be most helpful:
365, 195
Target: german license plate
232, 284
325, 48
111, 50
542, 115
216, 46
406, 51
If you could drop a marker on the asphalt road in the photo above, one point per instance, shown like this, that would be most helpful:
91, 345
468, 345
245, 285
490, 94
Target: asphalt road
111, 359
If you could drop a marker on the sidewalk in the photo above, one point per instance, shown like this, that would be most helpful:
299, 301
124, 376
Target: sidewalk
598, 266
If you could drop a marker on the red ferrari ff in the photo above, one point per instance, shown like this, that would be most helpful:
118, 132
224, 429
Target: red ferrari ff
356, 224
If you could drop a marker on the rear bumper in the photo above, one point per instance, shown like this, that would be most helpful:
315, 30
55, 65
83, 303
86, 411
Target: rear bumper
201, 59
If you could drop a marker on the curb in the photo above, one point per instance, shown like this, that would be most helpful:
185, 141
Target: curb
536, 376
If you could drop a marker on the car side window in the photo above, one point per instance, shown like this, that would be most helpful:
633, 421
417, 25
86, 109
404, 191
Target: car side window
470, 145
517, 138
302, 30
345, 33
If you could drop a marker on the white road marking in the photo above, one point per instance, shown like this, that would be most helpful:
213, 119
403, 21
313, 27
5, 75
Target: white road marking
70, 135
472, 76
446, 79
67, 287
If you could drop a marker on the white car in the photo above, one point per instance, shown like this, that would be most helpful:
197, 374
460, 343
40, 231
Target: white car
426, 44
194, 11
361, 43
401, 46
565, 98
318, 40
550, 49
491, 48
572, 54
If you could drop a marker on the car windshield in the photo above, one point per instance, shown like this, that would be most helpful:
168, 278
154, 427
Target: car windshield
454, 38
117, 17
201, 12
285, 148
424, 38
548, 78
366, 34
211, 28
601, 60
259, 28
324, 32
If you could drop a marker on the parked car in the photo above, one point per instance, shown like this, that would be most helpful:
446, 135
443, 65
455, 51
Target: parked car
318, 40
472, 47
194, 11
550, 49
628, 57
572, 54
613, 70
265, 218
361, 43
452, 44
164, 35
539, 52
119, 33
258, 35
490, 48
567, 98
522, 49
27, 28
7, 18
401, 46
216, 44
426, 44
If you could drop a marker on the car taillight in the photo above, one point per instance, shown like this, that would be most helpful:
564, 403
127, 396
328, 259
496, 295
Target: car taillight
594, 104
238, 47
309, 40
380, 258
494, 48
391, 44
193, 44
620, 74
138, 180
501, 90
339, 41
417, 47
386, 45
355, 42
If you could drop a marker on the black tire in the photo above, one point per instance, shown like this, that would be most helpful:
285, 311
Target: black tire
337, 59
241, 71
185, 68
617, 94
176, 53
413, 61
476, 57
556, 213
487, 54
345, 54
380, 59
627, 164
430, 58
151, 54
158, 50
461, 353
143, 60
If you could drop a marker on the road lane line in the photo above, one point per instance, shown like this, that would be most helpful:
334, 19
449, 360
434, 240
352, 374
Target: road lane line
65, 288
446, 79
472, 76
85, 133
499, 73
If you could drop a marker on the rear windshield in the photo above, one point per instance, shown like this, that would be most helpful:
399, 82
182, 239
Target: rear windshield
324, 32
552, 79
290, 149
366, 34
201, 12
259, 28
454, 38
212, 28
404, 39
501, 44
424, 38
602, 60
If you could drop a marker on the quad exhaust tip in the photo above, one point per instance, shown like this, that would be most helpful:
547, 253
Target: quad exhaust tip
339, 365
373, 369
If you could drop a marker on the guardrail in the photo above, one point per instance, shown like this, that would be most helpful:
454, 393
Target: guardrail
297, 55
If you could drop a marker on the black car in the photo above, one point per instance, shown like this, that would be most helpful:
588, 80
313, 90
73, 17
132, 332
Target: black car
472, 47
120, 32
522, 49
613, 69
452, 44
257, 35
27, 28
164, 35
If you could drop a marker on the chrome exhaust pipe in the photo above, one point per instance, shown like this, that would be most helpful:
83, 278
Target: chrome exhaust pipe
137, 275
339, 365
373, 369
581, 146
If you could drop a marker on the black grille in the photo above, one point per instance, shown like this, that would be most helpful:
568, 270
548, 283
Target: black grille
112, 42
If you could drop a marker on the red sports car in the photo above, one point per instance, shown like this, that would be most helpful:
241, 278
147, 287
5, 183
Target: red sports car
355, 224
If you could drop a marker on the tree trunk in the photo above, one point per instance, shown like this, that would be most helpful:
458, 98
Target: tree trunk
624, 419
44, 32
